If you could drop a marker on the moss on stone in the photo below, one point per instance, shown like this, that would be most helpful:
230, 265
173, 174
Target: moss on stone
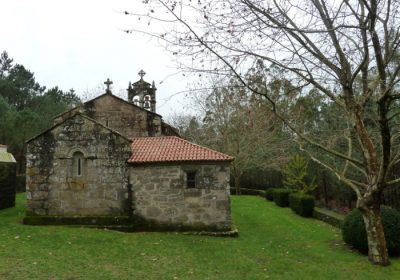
77, 220
329, 217
126, 223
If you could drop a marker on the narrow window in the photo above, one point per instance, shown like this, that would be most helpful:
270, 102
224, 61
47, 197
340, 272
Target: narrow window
191, 179
78, 164
106, 122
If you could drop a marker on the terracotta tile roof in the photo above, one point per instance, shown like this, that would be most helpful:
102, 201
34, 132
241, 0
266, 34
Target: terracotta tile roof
171, 149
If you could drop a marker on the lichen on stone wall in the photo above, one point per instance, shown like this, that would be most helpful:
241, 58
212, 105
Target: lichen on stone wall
45, 148
54, 184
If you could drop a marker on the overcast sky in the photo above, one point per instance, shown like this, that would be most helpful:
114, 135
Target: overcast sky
79, 44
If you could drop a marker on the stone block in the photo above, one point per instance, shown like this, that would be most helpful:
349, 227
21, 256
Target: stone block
192, 193
150, 187
192, 205
152, 211
111, 194
223, 205
182, 219
39, 195
160, 198
170, 212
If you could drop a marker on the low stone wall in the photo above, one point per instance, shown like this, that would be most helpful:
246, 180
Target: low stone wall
327, 216
7, 185
161, 197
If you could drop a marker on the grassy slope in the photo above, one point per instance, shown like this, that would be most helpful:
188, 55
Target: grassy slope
273, 243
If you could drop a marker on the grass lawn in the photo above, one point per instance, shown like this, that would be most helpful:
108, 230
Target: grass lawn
273, 243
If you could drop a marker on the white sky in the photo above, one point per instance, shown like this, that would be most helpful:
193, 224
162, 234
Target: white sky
80, 43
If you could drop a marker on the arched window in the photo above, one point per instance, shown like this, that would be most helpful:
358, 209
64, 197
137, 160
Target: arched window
136, 100
78, 164
147, 102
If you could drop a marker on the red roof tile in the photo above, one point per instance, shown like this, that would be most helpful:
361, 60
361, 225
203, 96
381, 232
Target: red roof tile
170, 149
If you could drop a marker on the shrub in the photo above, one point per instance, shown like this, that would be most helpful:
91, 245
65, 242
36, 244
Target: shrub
301, 204
281, 197
354, 234
269, 194
296, 173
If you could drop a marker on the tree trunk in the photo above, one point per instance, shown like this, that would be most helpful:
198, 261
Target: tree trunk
377, 251
325, 189
237, 185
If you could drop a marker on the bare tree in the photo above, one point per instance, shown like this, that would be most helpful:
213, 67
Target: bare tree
347, 49
241, 125
233, 120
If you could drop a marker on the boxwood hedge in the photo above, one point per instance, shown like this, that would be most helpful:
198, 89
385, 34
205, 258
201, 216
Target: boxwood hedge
354, 234
281, 197
269, 194
302, 204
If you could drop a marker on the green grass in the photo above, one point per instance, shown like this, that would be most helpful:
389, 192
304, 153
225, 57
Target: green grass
273, 243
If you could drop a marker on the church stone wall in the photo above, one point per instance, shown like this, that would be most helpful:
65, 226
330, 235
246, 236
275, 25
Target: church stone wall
124, 118
77, 168
160, 195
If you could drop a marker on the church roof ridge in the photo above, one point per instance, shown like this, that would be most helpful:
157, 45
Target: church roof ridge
99, 96
171, 149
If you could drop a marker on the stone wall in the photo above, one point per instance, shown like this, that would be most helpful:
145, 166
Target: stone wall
7, 184
54, 184
160, 195
119, 115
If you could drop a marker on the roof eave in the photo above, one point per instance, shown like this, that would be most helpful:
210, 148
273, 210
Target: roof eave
180, 161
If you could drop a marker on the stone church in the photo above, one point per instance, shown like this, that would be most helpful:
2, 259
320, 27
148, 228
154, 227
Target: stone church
112, 161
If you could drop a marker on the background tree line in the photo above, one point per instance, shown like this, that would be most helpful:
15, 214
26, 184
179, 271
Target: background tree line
26, 107
234, 120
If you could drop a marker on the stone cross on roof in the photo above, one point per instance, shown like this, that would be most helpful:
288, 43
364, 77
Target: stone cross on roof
108, 83
141, 74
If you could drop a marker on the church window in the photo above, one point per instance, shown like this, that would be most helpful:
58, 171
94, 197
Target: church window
191, 179
78, 164
147, 102
106, 122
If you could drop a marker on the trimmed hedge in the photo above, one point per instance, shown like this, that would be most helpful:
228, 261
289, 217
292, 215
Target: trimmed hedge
269, 194
281, 197
302, 204
7, 184
354, 233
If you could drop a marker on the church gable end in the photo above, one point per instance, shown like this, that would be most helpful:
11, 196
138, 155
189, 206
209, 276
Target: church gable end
119, 115
77, 168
